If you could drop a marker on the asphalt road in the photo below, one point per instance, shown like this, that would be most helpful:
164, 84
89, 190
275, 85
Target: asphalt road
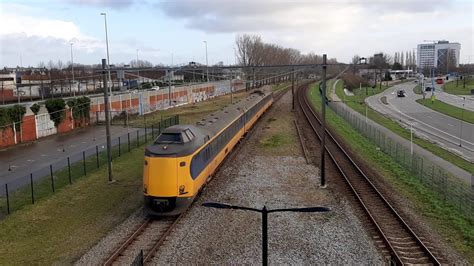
464, 101
453, 169
17, 163
449, 132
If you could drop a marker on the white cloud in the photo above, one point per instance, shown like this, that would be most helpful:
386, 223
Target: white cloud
118, 4
340, 28
41, 27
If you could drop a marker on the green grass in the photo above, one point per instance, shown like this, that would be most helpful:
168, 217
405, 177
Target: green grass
60, 228
357, 103
454, 226
418, 89
276, 140
457, 87
448, 109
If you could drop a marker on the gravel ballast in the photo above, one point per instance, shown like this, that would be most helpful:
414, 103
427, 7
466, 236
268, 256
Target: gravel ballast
254, 178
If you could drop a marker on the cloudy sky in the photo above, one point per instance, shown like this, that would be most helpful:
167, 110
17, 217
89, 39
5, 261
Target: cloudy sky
162, 31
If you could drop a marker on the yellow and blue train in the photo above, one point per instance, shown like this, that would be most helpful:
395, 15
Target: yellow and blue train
184, 157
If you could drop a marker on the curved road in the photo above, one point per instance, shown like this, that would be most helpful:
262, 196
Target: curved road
449, 132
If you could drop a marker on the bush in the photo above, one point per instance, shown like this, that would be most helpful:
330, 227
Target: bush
35, 108
80, 107
353, 81
56, 108
4, 117
15, 114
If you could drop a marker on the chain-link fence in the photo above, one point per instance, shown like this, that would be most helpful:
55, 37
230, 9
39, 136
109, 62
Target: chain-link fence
452, 191
44, 182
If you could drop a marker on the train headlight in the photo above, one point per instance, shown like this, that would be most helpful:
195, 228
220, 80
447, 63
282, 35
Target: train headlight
181, 190
145, 189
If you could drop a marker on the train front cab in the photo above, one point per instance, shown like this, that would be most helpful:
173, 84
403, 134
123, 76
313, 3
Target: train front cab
167, 184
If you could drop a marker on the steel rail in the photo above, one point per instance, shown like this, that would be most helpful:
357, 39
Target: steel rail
309, 113
140, 229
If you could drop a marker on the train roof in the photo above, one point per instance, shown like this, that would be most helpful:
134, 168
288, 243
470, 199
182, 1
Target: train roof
205, 129
216, 121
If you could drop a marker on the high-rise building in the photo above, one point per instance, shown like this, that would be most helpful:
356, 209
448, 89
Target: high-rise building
441, 55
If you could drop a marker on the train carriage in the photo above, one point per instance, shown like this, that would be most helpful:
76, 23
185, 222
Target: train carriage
184, 157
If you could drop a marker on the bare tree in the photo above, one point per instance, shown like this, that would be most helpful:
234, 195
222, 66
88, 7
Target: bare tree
41, 64
51, 65
60, 64
140, 63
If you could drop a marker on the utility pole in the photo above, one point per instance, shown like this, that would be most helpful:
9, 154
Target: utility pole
207, 64
253, 83
169, 88
293, 90
231, 92
323, 124
107, 120
138, 69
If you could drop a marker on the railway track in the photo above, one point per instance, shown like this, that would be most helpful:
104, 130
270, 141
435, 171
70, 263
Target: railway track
404, 246
145, 240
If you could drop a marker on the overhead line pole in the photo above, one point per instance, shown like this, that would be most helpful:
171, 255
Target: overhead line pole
293, 90
323, 124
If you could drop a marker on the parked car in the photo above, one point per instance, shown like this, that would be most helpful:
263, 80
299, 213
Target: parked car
400, 93
439, 81
428, 88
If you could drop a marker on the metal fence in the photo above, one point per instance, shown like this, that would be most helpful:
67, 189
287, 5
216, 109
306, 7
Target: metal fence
450, 189
44, 182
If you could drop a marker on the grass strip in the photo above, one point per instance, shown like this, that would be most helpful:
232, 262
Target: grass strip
457, 87
455, 227
448, 109
60, 228
417, 89
357, 103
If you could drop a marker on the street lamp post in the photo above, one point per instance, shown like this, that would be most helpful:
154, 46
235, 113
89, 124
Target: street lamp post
108, 59
138, 69
264, 213
462, 117
72, 69
411, 138
207, 64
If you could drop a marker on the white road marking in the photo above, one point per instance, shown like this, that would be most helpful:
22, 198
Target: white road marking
450, 125
44, 155
30, 160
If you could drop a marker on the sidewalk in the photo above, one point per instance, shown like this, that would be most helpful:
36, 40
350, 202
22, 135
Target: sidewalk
456, 100
18, 162
453, 169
